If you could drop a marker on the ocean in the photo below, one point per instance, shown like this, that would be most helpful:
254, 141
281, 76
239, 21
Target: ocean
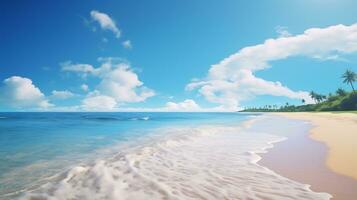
142, 156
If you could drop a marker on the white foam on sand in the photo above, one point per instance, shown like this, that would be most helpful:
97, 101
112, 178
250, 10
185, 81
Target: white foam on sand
208, 162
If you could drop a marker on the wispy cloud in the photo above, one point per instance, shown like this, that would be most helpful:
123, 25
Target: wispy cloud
232, 80
283, 31
97, 102
127, 44
62, 94
105, 22
85, 87
83, 69
187, 105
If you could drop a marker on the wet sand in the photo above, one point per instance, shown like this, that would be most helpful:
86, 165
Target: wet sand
306, 156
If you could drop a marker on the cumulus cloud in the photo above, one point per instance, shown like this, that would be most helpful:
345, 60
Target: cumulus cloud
124, 85
127, 44
105, 22
232, 80
117, 80
20, 92
65, 94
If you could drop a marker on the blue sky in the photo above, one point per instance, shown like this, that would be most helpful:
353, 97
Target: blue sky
157, 55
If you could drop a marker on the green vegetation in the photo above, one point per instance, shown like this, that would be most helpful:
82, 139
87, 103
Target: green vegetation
340, 101
349, 77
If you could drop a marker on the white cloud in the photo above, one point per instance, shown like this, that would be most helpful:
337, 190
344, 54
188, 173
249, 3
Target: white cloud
123, 85
20, 92
282, 31
187, 105
105, 22
127, 44
98, 103
84, 87
184, 106
83, 69
65, 94
232, 80
86, 69
117, 80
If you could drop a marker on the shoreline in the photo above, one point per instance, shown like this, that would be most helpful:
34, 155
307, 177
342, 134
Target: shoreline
309, 158
193, 163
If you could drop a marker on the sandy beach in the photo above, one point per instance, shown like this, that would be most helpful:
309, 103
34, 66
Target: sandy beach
327, 151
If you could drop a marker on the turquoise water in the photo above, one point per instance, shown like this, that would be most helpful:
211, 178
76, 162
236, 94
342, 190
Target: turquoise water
35, 146
140, 156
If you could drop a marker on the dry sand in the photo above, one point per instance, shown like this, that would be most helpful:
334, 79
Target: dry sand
339, 133
328, 162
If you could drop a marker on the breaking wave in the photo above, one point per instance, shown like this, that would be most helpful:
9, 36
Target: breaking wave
185, 163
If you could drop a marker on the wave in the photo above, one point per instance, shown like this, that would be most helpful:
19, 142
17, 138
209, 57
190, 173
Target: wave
184, 163
145, 118
100, 118
139, 118
108, 118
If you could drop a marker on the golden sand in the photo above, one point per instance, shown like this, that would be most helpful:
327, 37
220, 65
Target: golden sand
339, 132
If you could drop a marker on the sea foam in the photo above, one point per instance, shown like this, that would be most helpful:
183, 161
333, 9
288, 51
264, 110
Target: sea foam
206, 162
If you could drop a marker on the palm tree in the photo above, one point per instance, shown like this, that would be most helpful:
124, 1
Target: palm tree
341, 92
313, 95
349, 77
320, 97
323, 97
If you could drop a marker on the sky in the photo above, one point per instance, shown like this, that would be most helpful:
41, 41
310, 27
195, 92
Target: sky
172, 55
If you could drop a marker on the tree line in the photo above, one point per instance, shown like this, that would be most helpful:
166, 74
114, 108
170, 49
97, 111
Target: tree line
340, 100
348, 77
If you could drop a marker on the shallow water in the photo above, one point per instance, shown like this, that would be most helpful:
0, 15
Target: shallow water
144, 156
